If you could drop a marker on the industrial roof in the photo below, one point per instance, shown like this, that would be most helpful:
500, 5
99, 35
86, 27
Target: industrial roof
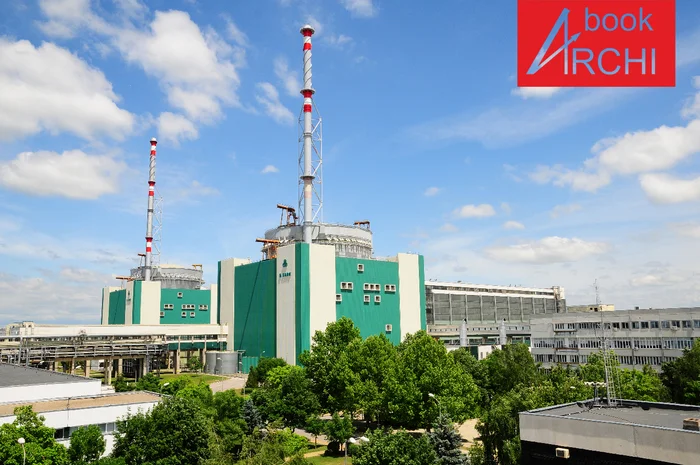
651, 414
15, 375
104, 400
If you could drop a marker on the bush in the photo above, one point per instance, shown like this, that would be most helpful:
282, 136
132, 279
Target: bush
333, 448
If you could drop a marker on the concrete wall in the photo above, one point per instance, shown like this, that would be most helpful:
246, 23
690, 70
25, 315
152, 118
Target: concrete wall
213, 307
36, 392
664, 445
150, 304
105, 304
411, 286
286, 303
322, 284
226, 291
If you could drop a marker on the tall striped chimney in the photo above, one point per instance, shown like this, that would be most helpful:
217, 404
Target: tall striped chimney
149, 216
308, 176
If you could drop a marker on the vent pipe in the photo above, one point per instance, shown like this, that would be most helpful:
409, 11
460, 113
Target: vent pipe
308, 176
149, 215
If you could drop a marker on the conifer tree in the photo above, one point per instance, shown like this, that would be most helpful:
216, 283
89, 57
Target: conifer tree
446, 441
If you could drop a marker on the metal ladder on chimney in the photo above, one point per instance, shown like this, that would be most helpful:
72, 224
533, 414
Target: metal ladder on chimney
609, 375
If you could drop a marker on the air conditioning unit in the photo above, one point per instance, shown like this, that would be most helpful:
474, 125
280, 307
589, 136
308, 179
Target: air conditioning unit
387, 328
562, 453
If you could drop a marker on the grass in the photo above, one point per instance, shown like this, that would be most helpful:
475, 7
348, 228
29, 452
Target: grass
196, 377
321, 460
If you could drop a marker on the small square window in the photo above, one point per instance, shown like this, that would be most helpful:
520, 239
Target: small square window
184, 314
377, 299
191, 314
204, 307
367, 287
162, 314
338, 298
655, 324
184, 306
179, 295
360, 267
367, 299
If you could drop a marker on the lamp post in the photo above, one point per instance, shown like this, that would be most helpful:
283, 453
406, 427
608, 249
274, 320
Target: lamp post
21, 442
432, 396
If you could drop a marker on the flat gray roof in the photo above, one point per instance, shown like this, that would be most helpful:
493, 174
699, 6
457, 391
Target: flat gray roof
15, 375
652, 414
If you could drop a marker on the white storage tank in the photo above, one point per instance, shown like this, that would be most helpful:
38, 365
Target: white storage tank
222, 363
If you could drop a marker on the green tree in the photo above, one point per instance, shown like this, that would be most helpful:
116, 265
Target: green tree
194, 364
376, 357
201, 394
86, 445
446, 442
258, 375
400, 448
40, 445
682, 376
174, 432
330, 365
643, 385
148, 382
229, 425
315, 427
251, 416
339, 429
423, 368
509, 367
121, 385
286, 395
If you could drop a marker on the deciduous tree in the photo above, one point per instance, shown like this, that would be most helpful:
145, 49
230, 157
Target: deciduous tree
86, 445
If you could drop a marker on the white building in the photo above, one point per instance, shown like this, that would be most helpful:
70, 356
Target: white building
67, 402
638, 337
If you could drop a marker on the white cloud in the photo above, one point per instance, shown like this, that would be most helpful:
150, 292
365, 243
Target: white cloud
654, 280
82, 275
175, 128
448, 227
663, 188
513, 225
506, 208
315, 23
548, 250
560, 210
72, 174
290, 79
362, 8
194, 192
338, 41
474, 211
431, 191
49, 89
235, 33
270, 169
269, 98
193, 67
688, 229
691, 109
535, 92
65, 17
577, 180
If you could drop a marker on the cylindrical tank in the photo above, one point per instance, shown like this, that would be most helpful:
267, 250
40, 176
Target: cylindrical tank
221, 363
463, 340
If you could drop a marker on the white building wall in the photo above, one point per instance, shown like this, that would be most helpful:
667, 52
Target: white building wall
150, 303
410, 288
286, 304
213, 308
36, 392
322, 287
228, 290
105, 303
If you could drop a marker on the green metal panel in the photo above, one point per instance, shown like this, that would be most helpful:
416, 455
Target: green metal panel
255, 308
218, 294
371, 317
196, 297
211, 345
421, 290
117, 307
302, 299
136, 303
248, 363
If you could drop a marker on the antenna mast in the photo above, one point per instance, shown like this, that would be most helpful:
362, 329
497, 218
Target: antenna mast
607, 358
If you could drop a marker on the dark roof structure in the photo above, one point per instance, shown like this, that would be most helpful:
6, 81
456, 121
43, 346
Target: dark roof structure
15, 375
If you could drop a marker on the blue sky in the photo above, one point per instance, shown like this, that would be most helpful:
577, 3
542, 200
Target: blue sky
425, 135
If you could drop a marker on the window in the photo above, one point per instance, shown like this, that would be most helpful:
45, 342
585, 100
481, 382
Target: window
346, 286
367, 299
179, 295
676, 324
687, 324
654, 324
184, 314
204, 307
616, 325
338, 298
625, 325
645, 325
360, 267
191, 314
377, 299
696, 323
390, 288
168, 307
665, 324
162, 314
635, 325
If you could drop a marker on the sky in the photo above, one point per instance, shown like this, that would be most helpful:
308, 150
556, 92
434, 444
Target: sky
425, 134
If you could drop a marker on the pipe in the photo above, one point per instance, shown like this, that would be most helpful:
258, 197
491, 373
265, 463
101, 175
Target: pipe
308, 177
149, 215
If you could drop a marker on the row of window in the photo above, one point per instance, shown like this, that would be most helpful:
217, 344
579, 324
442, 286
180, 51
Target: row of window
348, 286
665, 324
489, 291
185, 307
183, 314
622, 359
367, 298
65, 433
672, 343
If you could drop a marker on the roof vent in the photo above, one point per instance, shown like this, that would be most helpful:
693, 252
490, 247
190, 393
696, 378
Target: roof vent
691, 424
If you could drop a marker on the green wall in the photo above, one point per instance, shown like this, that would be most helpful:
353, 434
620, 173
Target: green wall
370, 317
196, 297
136, 304
421, 281
255, 308
302, 299
117, 307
